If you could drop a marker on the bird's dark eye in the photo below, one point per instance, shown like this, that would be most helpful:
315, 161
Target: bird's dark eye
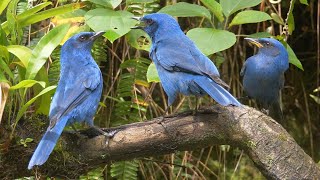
268, 44
83, 38
149, 21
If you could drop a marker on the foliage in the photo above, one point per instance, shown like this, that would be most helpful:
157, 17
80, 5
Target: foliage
32, 33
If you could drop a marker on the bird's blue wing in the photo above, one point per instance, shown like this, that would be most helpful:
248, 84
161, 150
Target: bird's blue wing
183, 55
73, 93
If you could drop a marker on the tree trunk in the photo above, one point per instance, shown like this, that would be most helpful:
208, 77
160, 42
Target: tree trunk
270, 147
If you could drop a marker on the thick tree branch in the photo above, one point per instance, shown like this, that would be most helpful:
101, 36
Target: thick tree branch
270, 147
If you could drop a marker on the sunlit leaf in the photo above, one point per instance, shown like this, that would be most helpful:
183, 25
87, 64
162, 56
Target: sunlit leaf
23, 109
22, 52
33, 10
183, 9
315, 98
215, 7
277, 18
304, 2
107, 3
231, 6
114, 23
139, 39
3, 5
27, 84
249, 16
44, 48
152, 73
210, 41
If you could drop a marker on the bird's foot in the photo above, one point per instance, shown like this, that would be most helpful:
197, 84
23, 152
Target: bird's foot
265, 111
108, 135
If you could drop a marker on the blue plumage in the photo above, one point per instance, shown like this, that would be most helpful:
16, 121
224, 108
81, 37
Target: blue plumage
263, 74
181, 66
77, 95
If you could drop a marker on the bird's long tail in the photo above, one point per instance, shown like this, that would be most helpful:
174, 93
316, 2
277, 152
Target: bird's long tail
217, 92
47, 143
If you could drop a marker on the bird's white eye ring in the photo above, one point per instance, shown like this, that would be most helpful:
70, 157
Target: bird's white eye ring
83, 38
267, 43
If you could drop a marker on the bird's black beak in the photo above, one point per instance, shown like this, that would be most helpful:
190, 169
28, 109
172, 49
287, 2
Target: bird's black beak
140, 26
97, 34
254, 42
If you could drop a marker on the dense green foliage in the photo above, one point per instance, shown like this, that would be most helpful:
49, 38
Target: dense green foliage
33, 31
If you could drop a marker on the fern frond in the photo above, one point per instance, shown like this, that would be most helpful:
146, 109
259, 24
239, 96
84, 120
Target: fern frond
125, 170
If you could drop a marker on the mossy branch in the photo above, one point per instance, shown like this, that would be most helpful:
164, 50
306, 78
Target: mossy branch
270, 147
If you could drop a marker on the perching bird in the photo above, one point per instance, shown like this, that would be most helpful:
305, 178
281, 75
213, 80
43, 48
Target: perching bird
78, 93
263, 74
181, 66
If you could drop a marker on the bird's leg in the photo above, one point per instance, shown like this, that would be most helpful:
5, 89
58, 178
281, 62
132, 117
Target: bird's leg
76, 131
196, 108
159, 121
108, 135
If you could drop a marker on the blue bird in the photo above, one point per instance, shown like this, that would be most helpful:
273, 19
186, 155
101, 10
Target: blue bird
181, 66
263, 74
78, 93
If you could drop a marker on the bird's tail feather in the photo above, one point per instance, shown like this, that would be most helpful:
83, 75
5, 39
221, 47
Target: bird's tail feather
47, 143
217, 92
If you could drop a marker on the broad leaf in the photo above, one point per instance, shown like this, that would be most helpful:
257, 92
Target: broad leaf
215, 7
249, 16
27, 84
277, 18
114, 23
107, 3
44, 48
210, 41
25, 107
231, 6
304, 2
139, 40
22, 52
293, 58
183, 9
33, 10
152, 73
3, 5
5, 68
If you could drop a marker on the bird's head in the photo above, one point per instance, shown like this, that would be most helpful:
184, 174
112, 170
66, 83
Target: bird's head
268, 46
82, 41
157, 23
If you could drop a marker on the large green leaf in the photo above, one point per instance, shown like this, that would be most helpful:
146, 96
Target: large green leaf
3, 5
107, 3
231, 6
183, 9
139, 39
26, 20
33, 10
22, 52
152, 73
215, 7
114, 23
210, 40
293, 58
23, 109
249, 16
27, 84
44, 48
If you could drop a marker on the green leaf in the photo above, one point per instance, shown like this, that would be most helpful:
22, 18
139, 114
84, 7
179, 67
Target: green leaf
152, 73
139, 39
304, 2
215, 7
5, 68
210, 41
107, 3
277, 18
33, 10
260, 35
27, 20
124, 170
291, 25
25, 107
249, 16
114, 23
293, 58
3, 5
44, 48
183, 9
22, 52
231, 6
27, 83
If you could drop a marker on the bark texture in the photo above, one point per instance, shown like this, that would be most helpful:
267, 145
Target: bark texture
270, 147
